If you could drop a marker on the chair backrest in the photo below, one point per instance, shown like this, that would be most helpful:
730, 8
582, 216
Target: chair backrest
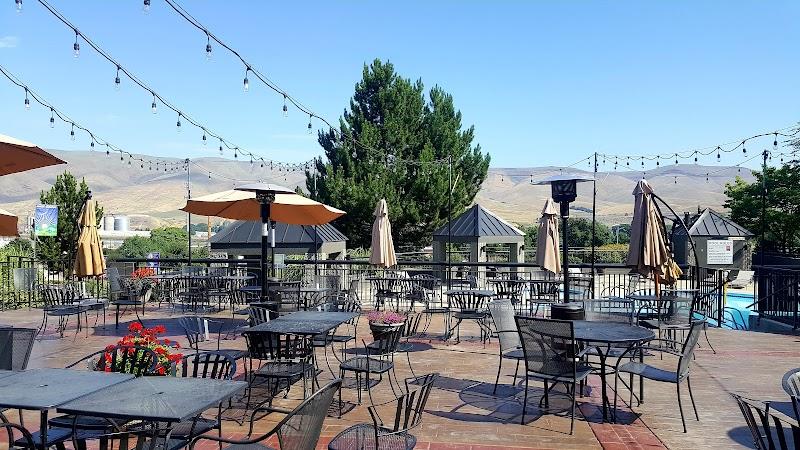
259, 313
277, 346
114, 286
386, 342
195, 329
55, 295
502, 312
689, 346
24, 279
16, 432
411, 326
214, 365
466, 301
15, 347
410, 406
609, 310
769, 431
546, 344
301, 428
791, 382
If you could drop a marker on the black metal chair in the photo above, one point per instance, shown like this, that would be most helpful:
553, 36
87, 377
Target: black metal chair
197, 331
378, 360
285, 359
551, 355
424, 290
543, 293
59, 302
394, 434
258, 313
342, 334
770, 431
649, 372
791, 385
502, 312
409, 330
15, 347
468, 306
124, 294
300, 429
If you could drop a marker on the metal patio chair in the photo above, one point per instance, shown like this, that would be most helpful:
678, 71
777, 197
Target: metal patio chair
393, 434
551, 355
676, 377
502, 312
199, 332
300, 429
378, 360
285, 359
60, 303
770, 431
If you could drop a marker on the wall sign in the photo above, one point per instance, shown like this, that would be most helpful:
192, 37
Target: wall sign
719, 252
45, 220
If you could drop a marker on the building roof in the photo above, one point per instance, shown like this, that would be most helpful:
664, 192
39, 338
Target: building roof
241, 233
710, 223
478, 222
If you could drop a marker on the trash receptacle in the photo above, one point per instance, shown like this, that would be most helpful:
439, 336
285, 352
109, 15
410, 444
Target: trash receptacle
567, 311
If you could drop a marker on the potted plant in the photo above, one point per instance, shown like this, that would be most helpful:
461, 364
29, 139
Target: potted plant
142, 283
140, 336
380, 322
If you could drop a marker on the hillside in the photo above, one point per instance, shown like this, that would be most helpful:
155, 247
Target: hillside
152, 198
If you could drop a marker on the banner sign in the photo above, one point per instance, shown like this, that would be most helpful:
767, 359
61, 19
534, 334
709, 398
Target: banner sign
45, 220
719, 252
153, 258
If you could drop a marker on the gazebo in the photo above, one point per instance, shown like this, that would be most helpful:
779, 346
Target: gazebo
719, 241
243, 238
479, 227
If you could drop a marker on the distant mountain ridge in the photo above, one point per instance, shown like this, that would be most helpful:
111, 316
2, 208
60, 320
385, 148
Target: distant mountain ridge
153, 198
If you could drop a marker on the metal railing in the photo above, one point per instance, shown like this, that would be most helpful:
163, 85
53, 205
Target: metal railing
778, 293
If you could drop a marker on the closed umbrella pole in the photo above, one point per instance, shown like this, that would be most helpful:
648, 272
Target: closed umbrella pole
547, 252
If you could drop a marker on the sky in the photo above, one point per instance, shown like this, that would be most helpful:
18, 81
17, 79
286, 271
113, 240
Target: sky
544, 83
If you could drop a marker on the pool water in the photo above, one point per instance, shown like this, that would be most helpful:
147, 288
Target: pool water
739, 302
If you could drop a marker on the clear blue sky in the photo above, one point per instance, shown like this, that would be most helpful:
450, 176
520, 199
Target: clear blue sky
544, 83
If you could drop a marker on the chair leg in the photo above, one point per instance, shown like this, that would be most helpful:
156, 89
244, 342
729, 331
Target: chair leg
408, 357
525, 400
572, 413
680, 406
516, 371
691, 397
497, 379
705, 332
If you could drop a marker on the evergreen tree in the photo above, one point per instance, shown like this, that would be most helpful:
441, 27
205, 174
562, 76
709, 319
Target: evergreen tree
408, 140
70, 197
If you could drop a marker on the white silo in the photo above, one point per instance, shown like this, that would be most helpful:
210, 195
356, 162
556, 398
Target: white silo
108, 222
121, 223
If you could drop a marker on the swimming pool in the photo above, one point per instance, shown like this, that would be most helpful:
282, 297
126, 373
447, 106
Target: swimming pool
738, 302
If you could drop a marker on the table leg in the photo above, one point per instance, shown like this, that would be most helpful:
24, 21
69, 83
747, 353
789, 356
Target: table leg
603, 387
43, 428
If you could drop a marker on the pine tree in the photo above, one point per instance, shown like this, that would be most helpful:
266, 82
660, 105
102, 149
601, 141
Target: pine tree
407, 141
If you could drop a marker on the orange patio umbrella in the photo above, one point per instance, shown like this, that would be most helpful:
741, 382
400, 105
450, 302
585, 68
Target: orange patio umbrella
8, 224
19, 156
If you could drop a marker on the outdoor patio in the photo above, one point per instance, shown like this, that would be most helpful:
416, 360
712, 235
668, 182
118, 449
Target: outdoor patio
462, 412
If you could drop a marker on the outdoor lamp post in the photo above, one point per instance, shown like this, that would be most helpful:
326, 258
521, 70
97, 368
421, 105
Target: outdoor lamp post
564, 191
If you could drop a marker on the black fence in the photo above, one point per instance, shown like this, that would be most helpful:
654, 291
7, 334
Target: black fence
777, 293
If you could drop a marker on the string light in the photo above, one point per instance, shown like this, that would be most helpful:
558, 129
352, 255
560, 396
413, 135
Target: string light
220, 146
285, 109
117, 80
309, 123
179, 122
204, 137
146, 6
744, 150
91, 145
76, 47
208, 47
246, 81
27, 100
52, 119
19, 5
72, 133
154, 106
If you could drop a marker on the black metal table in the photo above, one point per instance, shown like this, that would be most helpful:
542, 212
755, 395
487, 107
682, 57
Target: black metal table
44, 389
306, 323
602, 336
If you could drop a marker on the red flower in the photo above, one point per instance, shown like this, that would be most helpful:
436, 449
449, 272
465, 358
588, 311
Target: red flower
161, 370
159, 329
135, 327
160, 351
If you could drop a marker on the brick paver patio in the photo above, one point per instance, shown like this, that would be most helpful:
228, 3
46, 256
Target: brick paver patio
463, 414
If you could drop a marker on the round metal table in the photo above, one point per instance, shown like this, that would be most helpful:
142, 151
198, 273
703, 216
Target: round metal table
605, 335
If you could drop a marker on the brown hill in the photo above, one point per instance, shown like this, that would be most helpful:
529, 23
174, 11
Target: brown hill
152, 198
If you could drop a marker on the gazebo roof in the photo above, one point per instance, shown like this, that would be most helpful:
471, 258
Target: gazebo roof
241, 233
478, 222
710, 223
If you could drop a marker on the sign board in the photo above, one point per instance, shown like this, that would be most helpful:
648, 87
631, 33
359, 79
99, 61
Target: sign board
280, 261
154, 256
719, 252
45, 220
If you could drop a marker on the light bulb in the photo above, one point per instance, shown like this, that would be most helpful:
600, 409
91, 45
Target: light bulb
146, 6
117, 80
76, 47
208, 50
204, 138
179, 123
72, 133
91, 146
108, 153
52, 119
19, 5
246, 83
309, 124
27, 101
220, 146
285, 109
153, 106
236, 152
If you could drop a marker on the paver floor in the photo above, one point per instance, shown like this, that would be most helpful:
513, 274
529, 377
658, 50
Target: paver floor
463, 413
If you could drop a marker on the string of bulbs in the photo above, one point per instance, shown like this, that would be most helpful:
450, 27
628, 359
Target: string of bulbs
56, 113
288, 100
207, 133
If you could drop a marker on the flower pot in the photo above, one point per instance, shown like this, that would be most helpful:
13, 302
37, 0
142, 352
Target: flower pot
379, 329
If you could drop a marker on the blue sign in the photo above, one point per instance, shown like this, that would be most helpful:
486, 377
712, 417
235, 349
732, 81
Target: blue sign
45, 220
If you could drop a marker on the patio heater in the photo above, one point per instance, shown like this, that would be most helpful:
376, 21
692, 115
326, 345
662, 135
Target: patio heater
564, 191
265, 196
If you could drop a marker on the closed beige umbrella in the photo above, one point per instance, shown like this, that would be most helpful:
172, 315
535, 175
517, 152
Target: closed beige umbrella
19, 156
648, 251
242, 205
8, 224
548, 256
382, 247
89, 260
